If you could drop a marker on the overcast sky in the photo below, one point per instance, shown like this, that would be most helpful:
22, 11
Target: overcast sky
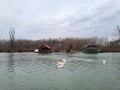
39, 19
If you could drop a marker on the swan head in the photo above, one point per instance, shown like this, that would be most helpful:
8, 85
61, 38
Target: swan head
64, 61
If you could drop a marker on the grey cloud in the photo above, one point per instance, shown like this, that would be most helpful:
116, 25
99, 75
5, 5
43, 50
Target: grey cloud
45, 19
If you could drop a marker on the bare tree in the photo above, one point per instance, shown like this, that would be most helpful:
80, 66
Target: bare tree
117, 32
12, 37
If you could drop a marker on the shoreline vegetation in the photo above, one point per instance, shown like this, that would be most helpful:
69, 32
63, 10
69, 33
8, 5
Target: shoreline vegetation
60, 45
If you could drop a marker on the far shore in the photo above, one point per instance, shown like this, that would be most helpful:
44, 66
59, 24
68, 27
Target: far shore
102, 50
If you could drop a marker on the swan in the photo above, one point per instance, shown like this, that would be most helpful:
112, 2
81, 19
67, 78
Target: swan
61, 64
89, 60
104, 61
36, 50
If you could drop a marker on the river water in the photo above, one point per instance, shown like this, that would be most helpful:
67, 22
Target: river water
33, 71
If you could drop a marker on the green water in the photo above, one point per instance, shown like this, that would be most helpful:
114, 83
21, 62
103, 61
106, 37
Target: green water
32, 71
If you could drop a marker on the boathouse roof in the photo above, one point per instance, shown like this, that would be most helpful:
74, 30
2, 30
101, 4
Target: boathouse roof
45, 46
90, 45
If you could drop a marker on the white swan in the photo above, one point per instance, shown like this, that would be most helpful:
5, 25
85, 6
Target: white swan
89, 60
104, 61
36, 51
61, 64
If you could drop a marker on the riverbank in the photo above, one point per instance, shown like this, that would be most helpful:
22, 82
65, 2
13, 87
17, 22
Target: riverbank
107, 49
102, 50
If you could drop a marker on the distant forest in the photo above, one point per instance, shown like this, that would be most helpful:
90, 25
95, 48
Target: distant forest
60, 44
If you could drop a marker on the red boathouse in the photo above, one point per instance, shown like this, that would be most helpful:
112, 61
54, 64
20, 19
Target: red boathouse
44, 48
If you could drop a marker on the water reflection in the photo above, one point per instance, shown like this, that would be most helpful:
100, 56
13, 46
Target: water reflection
11, 71
11, 63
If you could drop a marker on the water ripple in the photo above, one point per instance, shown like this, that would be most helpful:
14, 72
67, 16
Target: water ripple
31, 71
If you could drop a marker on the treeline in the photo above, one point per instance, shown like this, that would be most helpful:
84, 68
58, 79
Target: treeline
60, 44
66, 44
